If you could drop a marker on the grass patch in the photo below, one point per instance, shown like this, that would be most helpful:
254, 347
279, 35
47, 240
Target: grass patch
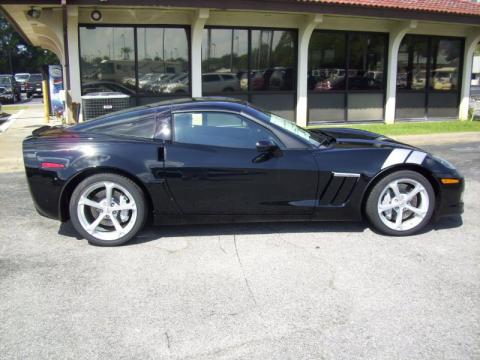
414, 128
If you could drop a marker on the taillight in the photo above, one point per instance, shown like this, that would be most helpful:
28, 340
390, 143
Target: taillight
51, 165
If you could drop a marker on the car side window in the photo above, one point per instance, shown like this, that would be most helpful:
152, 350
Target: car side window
130, 125
219, 129
210, 78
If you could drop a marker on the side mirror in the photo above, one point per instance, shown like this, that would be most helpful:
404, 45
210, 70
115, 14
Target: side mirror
266, 146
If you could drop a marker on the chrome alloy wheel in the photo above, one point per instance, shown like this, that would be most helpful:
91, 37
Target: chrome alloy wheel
107, 210
403, 204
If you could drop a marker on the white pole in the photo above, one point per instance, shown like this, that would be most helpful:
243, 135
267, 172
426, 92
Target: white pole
304, 34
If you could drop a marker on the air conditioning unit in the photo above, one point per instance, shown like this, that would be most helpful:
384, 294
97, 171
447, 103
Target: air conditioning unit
102, 103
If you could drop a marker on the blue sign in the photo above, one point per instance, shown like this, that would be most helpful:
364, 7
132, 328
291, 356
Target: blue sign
55, 82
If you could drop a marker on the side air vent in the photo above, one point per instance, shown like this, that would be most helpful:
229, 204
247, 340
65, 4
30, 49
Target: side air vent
338, 189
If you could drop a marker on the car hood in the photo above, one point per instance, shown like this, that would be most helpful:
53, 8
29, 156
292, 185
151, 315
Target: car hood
347, 137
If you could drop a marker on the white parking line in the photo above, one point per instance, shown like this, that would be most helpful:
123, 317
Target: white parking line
10, 121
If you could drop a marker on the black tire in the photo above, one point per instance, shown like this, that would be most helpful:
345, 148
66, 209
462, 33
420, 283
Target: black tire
135, 191
372, 203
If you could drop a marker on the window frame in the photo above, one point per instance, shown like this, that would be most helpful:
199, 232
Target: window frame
139, 95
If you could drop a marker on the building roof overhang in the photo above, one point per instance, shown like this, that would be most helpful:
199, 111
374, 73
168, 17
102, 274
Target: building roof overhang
456, 11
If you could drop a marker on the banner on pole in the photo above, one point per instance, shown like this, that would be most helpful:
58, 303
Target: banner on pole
57, 95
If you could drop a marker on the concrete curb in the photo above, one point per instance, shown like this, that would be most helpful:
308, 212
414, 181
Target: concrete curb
10, 121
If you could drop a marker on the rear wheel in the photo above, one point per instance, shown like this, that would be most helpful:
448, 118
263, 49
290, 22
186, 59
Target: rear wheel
401, 203
107, 209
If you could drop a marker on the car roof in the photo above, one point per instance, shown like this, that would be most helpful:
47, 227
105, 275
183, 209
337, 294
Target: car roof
182, 104
209, 103
189, 103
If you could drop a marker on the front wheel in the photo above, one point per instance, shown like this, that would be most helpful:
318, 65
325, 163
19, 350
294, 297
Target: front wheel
401, 203
107, 209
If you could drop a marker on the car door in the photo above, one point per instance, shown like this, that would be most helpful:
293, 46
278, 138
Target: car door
212, 166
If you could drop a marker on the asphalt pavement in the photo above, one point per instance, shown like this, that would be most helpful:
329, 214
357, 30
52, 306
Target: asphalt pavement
253, 291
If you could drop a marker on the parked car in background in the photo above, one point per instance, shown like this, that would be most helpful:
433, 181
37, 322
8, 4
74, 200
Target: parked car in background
220, 82
281, 79
175, 85
105, 86
9, 89
445, 78
22, 78
34, 85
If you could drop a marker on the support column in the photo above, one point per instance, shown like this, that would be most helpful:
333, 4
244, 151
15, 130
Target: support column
395, 38
471, 43
304, 34
201, 16
73, 53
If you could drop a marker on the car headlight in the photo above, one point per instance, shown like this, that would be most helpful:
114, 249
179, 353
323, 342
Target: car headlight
444, 162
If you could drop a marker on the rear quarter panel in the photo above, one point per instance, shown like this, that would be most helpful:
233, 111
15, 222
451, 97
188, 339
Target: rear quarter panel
138, 160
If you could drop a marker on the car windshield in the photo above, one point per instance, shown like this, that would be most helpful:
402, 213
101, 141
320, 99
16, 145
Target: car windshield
295, 129
4, 80
22, 77
36, 77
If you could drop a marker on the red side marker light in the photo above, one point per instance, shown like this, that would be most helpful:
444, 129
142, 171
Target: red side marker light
51, 165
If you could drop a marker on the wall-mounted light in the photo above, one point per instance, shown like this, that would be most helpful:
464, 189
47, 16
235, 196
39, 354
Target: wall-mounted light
34, 13
96, 15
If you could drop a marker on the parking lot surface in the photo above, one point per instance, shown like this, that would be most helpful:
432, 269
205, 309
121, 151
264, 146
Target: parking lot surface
253, 291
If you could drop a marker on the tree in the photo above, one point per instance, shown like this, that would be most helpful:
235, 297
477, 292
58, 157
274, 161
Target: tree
126, 52
19, 55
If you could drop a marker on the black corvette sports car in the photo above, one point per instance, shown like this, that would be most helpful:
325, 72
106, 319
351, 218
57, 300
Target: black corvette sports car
218, 160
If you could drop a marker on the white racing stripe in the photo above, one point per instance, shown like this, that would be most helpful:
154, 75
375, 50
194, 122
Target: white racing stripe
416, 157
397, 156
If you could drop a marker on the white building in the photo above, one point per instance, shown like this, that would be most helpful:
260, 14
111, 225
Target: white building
312, 61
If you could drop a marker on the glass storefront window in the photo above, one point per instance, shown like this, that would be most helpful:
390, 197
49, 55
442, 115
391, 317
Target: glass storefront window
255, 65
366, 61
107, 59
327, 61
163, 66
224, 60
412, 63
428, 77
346, 76
445, 64
273, 60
